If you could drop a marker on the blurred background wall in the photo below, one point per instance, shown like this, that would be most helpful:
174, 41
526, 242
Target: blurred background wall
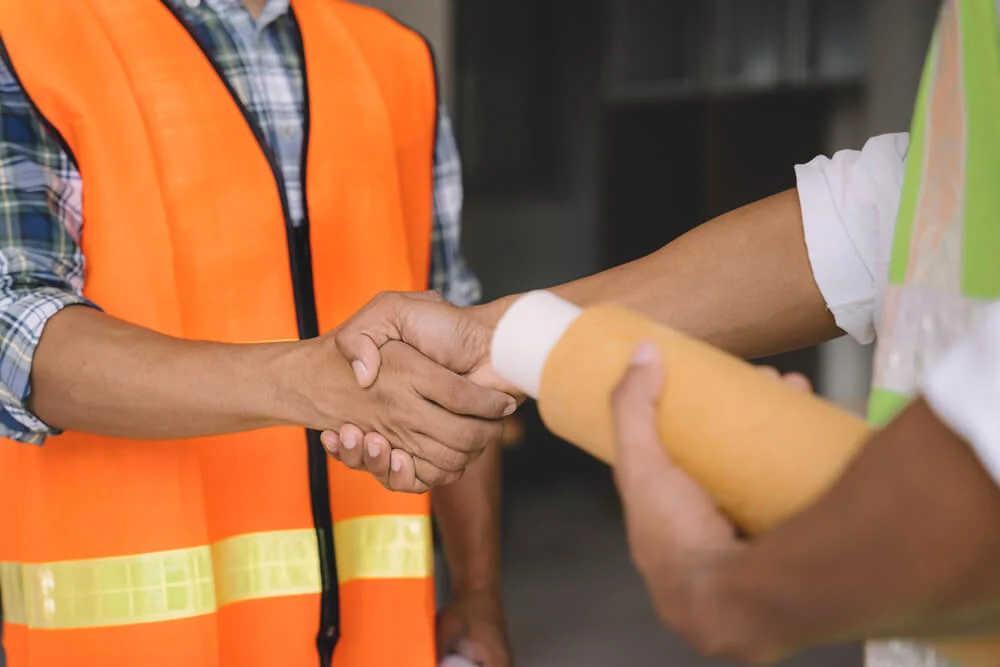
594, 132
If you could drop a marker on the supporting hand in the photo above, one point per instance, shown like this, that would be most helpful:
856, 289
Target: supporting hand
676, 532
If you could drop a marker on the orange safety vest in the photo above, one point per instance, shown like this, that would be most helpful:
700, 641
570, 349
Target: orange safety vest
217, 552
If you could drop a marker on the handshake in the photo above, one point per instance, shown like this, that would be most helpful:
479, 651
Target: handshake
423, 402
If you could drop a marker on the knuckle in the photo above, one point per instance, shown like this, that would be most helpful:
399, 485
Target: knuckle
446, 459
468, 436
486, 403
491, 434
619, 397
453, 393
453, 461
429, 474
388, 299
394, 354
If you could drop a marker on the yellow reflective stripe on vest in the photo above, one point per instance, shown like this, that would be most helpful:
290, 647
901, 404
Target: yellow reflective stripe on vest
185, 583
384, 547
104, 592
12, 593
266, 565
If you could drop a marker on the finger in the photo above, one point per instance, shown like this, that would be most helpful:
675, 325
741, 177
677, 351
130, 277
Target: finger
440, 451
451, 439
448, 441
770, 371
473, 651
433, 477
360, 338
799, 381
376, 457
640, 456
331, 442
386, 317
460, 395
352, 450
428, 295
402, 474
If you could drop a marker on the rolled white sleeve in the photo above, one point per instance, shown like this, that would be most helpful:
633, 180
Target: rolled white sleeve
964, 389
849, 205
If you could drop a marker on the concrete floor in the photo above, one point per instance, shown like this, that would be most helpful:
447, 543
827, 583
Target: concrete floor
574, 599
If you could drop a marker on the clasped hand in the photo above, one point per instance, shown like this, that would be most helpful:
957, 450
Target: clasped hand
427, 362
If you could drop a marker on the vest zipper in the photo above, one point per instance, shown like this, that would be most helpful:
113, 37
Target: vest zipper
300, 264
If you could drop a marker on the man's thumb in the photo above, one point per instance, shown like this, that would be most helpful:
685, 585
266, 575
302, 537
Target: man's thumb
633, 405
363, 353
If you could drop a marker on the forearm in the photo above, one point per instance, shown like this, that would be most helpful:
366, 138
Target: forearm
907, 543
468, 516
742, 282
96, 374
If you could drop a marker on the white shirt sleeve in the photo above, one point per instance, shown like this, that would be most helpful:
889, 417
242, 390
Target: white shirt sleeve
963, 389
849, 204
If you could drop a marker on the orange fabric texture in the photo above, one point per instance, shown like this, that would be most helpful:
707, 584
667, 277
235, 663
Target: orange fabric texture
184, 234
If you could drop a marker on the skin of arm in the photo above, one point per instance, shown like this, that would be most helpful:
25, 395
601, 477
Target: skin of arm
750, 264
468, 514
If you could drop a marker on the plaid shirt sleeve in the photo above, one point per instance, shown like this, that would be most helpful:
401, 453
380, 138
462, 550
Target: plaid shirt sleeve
450, 275
41, 265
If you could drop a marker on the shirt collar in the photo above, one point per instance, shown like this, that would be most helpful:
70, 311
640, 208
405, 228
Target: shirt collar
272, 10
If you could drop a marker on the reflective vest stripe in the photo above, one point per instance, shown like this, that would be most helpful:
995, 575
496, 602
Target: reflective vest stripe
183, 583
12, 593
266, 565
102, 592
385, 547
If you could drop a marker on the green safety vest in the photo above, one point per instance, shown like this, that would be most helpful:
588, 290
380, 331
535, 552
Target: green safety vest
945, 265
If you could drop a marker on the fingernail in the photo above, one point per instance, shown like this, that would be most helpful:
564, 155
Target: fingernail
396, 463
644, 355
510, 409
374, 449
360, 370
350, 440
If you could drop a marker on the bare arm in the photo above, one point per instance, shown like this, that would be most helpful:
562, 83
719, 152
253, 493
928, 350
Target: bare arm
742, 282
100, 375
468, 514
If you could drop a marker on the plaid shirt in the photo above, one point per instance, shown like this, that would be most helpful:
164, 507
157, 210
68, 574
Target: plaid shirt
41, 264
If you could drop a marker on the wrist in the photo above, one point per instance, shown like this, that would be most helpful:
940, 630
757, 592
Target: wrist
488, 314
307, 377
487, 580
